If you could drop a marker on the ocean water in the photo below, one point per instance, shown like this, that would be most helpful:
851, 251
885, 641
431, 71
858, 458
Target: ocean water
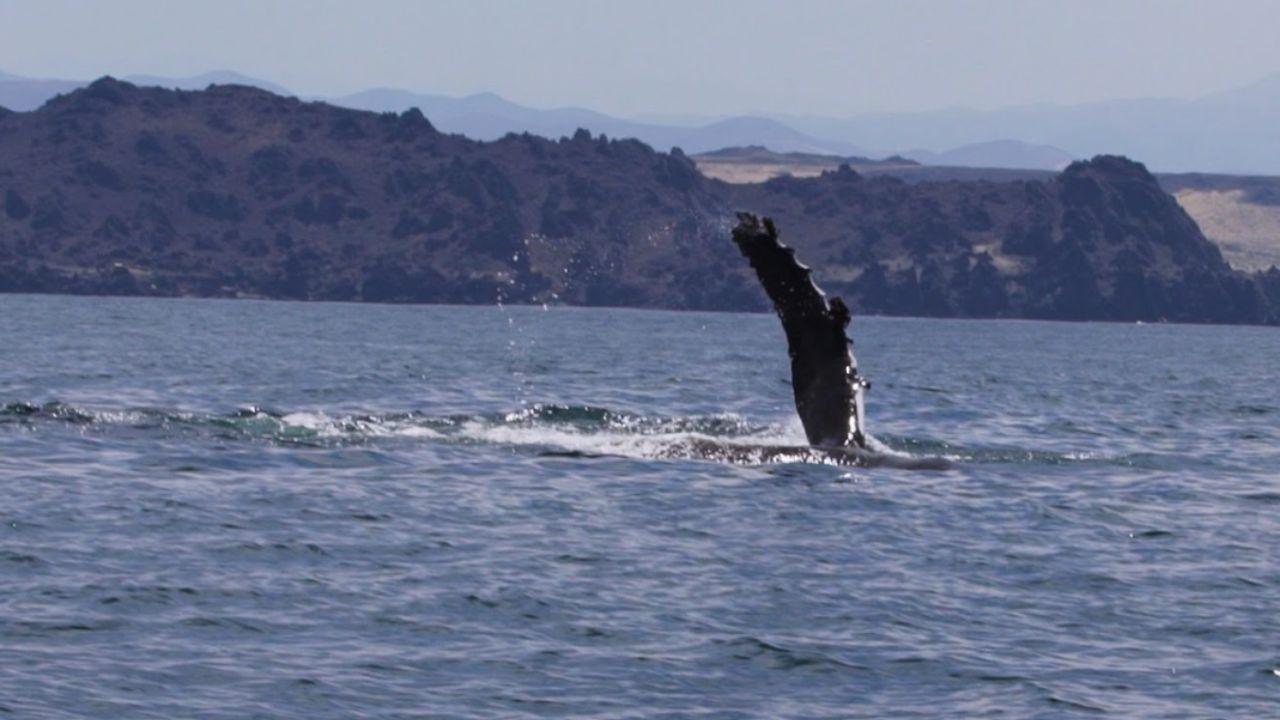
237, 509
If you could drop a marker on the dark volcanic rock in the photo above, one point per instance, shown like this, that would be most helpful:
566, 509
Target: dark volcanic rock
1269, 281
15, 207
1099, 241
115, 189
234, 191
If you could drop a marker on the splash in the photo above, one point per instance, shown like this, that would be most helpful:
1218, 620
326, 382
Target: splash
544, 428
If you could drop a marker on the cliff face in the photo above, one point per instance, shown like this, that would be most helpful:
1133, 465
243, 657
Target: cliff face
233, 191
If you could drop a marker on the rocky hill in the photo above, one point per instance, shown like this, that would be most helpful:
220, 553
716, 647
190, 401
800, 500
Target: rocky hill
1101, 240
234, 191
1238, 213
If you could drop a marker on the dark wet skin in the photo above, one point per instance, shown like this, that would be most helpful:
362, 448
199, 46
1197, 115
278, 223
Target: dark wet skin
824, 374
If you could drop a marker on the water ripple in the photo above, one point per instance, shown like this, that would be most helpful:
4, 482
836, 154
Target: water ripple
395, 511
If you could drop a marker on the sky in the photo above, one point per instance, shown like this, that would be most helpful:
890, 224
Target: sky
665, 57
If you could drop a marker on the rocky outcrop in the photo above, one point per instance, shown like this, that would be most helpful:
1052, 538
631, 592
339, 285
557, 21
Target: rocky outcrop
1099, 241
233, 191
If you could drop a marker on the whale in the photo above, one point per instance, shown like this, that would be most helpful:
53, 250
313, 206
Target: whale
827, 388
829, 392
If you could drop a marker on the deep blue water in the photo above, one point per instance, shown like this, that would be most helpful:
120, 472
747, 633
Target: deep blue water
234, 509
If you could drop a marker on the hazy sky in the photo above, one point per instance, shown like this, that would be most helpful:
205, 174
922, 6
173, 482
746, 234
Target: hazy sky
670, 56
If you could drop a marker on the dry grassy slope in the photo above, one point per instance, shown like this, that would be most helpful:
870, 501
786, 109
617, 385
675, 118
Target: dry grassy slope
735, 172
1247, 232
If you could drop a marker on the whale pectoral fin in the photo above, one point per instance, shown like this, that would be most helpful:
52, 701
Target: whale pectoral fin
823, 373
797, 300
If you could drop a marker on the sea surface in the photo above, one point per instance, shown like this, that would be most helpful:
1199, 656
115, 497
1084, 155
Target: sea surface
241, 509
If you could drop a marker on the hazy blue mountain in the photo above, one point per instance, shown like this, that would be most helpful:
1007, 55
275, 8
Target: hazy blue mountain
1227, 132
693, 120
1231, 131
738, 131
483, 116
486, 116
22, 94
996, 154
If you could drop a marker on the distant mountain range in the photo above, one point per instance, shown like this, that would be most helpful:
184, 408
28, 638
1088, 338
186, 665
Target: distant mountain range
21, 94
484, 116
1226, 132
996, 154
488, 117
1231, 131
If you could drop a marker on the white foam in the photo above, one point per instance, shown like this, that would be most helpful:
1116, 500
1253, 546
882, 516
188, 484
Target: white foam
317, 421
624, 444
875, 445
325, 426
410, 431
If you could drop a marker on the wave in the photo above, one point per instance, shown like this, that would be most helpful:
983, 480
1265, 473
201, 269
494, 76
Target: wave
546, 429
